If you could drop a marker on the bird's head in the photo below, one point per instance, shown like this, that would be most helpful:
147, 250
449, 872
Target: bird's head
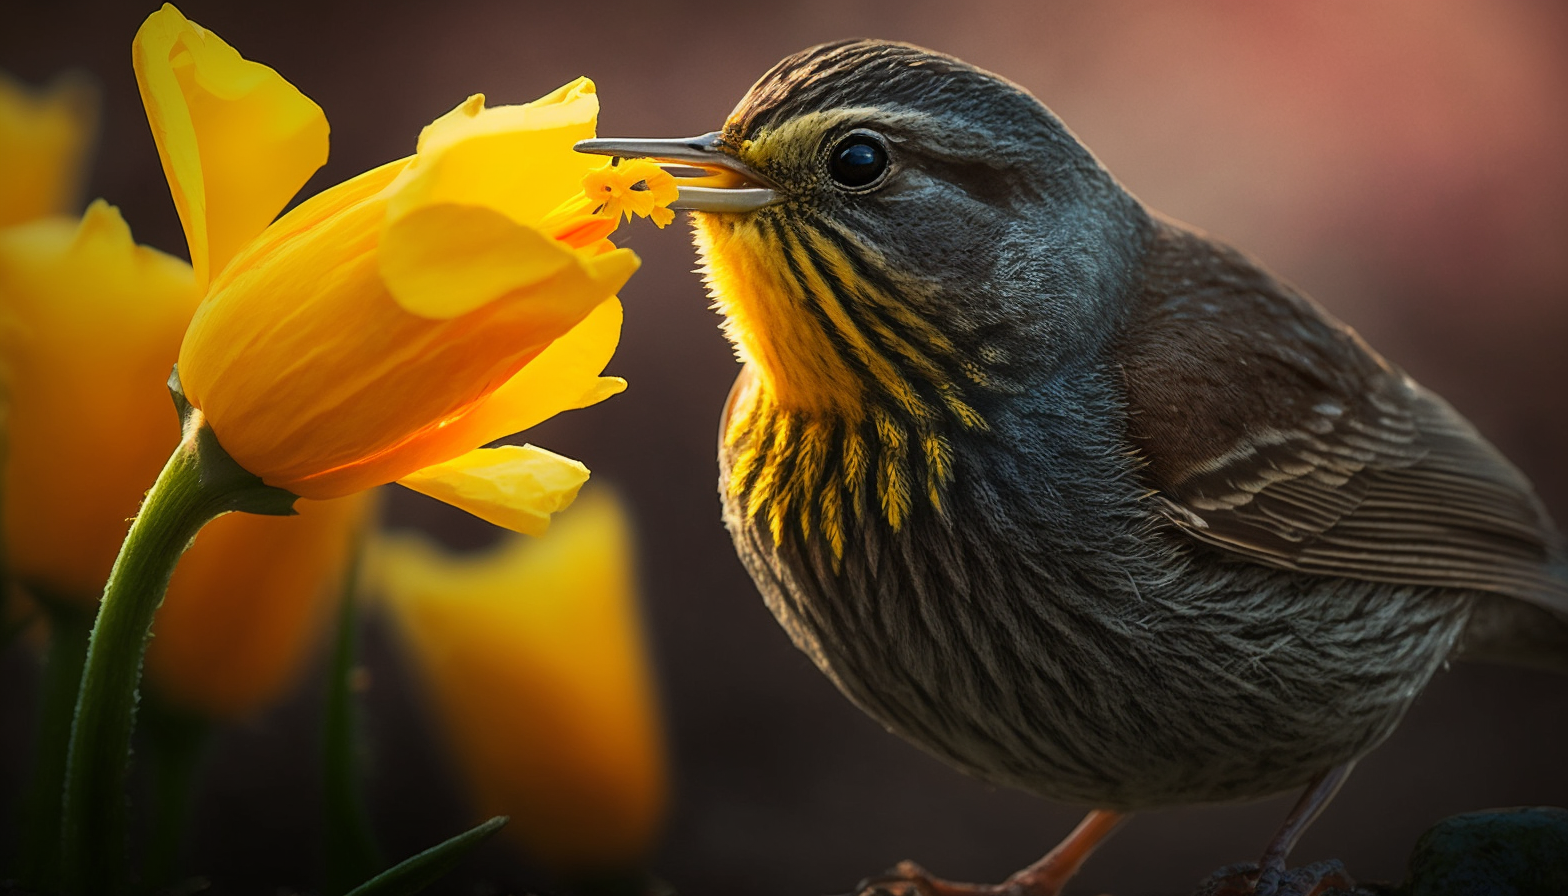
883, 225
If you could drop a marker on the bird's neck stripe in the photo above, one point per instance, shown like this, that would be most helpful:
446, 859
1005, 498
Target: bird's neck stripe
856, 392
815, 473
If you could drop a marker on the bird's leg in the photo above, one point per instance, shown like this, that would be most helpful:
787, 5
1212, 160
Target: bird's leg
1271, 868
1046, 877
1269, 877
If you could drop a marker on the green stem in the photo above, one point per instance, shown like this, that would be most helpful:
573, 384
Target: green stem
177, 742
199, 483
351, 852
38, 857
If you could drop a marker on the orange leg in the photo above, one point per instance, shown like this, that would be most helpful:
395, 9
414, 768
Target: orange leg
1046, 877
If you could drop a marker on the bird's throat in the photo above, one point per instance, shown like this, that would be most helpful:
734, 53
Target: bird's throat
771, 323
853, 400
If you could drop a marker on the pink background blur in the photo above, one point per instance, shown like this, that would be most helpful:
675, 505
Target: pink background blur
1406, 163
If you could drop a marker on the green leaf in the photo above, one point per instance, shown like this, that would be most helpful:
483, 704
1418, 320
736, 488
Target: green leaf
414, 874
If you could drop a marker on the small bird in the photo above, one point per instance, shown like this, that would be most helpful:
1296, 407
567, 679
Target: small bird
1077, 498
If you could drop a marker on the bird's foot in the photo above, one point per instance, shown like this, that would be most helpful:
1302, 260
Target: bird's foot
908, 879
1327, 878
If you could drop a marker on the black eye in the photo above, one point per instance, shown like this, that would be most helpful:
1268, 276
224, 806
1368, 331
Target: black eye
858, 160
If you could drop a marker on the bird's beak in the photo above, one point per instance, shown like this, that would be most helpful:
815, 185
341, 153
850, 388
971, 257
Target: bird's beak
726, 185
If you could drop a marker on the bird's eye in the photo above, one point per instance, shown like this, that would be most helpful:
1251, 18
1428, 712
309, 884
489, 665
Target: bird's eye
858, 161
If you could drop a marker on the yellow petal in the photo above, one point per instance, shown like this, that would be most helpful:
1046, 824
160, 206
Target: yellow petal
564, 377
236, 139
43, 147
517, 160
533, 653
89, 325
443, 260
516, 487
340, 389
247, 606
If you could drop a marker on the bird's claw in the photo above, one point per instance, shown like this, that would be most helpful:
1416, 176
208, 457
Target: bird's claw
909, 879
1326, 878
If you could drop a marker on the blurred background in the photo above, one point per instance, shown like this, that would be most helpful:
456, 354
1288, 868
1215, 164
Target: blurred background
1406, 163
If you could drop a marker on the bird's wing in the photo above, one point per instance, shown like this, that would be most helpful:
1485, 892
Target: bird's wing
1271, 430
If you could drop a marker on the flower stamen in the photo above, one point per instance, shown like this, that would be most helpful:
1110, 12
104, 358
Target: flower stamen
586, 220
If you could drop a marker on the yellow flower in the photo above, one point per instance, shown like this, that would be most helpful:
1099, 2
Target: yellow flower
43, 146
89, 323
387, 327
534, 659
247, 605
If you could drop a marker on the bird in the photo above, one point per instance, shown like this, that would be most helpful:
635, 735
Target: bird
1077, 498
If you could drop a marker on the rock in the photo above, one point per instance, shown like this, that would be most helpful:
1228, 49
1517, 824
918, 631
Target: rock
1499, 852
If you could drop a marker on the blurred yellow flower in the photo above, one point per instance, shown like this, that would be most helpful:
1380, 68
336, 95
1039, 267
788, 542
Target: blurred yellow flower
392, 324
533, 656
90, 324
248, 604
44, 137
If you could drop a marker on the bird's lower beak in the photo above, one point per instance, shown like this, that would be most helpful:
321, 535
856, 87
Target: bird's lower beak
726, 185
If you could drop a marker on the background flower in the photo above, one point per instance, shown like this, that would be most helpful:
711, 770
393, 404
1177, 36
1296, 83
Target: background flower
248, 605
532, 657
44, 138
91, 324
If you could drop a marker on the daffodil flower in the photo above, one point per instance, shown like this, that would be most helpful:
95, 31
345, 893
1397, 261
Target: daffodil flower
532, 655
381, 331
391, 325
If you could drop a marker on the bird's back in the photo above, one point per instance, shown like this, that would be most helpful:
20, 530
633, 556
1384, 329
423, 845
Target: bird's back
1273, 432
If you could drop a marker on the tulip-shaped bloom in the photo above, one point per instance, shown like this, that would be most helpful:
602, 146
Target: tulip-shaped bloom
91, 323
391, 325
532, 655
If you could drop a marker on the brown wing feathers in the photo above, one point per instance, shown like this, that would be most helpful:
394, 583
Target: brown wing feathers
1323, 457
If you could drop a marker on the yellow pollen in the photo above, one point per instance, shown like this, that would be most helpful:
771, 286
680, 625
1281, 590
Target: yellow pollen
586, 220
633, 187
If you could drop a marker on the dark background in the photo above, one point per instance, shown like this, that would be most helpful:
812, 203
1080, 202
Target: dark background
1403, 162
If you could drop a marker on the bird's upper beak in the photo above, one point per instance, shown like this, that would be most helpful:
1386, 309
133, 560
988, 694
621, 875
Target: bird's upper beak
726, 185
